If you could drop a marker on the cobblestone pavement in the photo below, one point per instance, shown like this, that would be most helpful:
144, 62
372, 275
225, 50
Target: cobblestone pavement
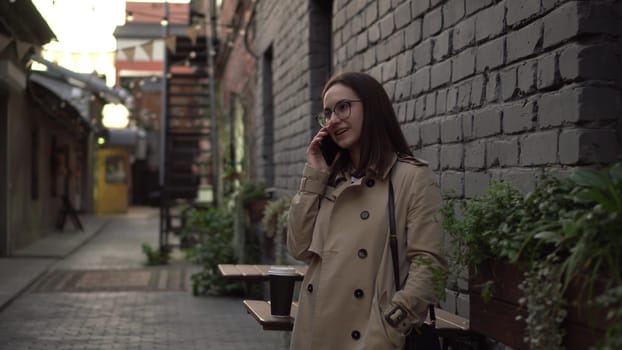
103, 297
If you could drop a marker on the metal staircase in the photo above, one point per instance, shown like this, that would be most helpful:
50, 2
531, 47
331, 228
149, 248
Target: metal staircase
186, 135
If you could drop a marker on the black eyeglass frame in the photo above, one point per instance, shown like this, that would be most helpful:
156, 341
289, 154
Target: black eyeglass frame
324, 116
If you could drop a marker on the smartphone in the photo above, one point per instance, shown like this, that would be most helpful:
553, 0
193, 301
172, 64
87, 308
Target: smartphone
329, 149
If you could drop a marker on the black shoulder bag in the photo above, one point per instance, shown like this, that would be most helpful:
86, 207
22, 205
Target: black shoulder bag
425, 336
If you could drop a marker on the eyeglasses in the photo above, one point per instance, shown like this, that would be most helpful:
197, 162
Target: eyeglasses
341, 110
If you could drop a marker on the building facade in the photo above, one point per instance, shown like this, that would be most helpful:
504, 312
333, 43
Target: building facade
484, 90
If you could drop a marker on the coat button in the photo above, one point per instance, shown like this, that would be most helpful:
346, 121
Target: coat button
370, 183
356, 335
362, 253
310, 288
364, 215
358, 293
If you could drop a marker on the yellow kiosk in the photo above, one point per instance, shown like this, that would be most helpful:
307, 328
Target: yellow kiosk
113, 177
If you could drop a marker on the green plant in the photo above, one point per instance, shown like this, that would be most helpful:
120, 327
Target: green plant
216, 225
156, 256
564, 229
251, 191
275, 216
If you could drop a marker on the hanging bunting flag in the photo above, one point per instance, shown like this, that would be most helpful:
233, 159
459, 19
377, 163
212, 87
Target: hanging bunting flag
129, 53
148, 47
192, 34
4, 41
171, 43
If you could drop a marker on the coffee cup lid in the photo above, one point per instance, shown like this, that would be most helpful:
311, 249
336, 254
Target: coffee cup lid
282, 270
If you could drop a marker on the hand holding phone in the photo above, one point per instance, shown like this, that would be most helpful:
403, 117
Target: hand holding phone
329, 149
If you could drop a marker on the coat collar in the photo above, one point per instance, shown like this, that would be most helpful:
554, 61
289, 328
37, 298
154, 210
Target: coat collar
346, 176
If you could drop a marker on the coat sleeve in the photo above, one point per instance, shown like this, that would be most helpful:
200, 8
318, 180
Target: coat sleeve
303, 212
424, 239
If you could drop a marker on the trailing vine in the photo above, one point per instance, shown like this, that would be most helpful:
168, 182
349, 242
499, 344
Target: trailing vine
564, 229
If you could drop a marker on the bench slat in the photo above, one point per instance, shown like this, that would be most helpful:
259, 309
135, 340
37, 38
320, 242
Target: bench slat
260, 310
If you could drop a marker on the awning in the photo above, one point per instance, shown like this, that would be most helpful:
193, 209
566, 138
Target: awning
75, 96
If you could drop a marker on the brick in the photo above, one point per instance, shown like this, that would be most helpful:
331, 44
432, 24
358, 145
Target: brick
453, 11
477, 90
383, 50
387, 27
412, 134
357, 23
431, 155
561, 24
373, 33
440, 74
452, 184
519, 117
475, 184
371, 15
451, 129
412, 33
489, 22
493, 87
475, 5
430, 132
432, 23
419, 7
420, 108
539, 148
475, 155
404, 64
361, 42
451, 156
463, 65
467, 125
441, 101
402, 14
383, 7
546, 71
527, 73
442, 45
452, 99
464, 95
508, 83
464, 34
599, 104
430, 104
524, 42
599, 62
396, 44
588, 146
518, 11
487, 122
390, 88
421, 81
555, 108
369, 59
502, 153
402, 89
524, 180
423, 53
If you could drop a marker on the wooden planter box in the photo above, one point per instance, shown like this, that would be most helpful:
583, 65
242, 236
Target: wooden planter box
255, 209
497, 318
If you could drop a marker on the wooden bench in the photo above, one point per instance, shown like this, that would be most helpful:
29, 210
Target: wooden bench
253, 273
260, 310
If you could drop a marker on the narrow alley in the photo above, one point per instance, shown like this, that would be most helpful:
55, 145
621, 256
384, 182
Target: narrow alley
102, 296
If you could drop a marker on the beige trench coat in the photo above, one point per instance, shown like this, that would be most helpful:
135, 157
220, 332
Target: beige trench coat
342, 234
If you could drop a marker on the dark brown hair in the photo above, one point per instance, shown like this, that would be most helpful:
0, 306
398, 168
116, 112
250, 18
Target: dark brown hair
381, 135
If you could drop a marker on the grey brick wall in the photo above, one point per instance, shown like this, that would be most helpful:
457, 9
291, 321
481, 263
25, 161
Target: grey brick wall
485, 89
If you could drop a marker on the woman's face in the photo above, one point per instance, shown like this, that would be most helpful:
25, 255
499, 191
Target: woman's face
347, 131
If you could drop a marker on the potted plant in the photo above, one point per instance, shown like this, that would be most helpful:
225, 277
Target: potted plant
561, 246
253, 197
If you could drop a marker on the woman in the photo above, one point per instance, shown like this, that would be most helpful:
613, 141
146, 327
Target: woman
338, 224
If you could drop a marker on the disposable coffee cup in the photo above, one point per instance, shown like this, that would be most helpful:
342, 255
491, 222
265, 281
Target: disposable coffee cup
282, 280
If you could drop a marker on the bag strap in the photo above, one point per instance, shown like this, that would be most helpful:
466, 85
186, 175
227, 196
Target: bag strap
393, 246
